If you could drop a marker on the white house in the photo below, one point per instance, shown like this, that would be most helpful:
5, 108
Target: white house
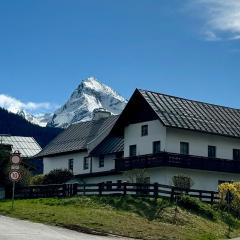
163, 134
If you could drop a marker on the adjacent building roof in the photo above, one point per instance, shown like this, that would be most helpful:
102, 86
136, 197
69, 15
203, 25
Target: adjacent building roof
27, 146
78, 136
109, 145
194, 115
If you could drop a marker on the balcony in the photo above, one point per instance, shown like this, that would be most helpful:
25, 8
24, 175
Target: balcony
166, 159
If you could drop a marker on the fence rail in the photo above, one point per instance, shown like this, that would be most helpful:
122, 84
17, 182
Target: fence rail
151, 190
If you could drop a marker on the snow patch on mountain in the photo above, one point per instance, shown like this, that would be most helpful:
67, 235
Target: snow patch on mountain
89, 95
40, 119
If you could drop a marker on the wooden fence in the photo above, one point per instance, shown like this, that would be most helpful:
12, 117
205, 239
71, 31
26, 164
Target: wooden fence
151, 190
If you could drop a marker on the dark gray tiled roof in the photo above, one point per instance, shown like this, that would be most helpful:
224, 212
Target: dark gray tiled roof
193, 115
109, 145
77, 136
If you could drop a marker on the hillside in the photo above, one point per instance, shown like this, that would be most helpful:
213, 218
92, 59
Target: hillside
139, 218
15, 124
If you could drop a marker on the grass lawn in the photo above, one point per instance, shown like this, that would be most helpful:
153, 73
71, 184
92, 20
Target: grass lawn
126, 216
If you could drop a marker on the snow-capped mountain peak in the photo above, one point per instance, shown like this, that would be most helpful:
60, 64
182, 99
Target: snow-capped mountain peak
40, 119
89, 95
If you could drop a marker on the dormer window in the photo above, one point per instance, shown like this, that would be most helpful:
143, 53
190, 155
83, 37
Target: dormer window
144, 130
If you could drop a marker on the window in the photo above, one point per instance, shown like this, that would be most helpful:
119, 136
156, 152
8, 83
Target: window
109, 185
132, 150
101, 161
211, 151
119, 184
145, 180
236, 154
144, 130
85, 163
143, 189
184, 148
119, 154
70, 165
156, 147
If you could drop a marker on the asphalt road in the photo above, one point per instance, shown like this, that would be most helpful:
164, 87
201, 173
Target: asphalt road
14, 229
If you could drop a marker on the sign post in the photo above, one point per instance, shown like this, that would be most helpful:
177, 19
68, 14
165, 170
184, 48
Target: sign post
14, 174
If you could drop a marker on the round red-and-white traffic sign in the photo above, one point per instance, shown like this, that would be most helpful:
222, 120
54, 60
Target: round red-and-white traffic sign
15, 158
15, 176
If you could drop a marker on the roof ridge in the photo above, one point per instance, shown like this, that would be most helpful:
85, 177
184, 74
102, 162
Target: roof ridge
187, 99
91, 120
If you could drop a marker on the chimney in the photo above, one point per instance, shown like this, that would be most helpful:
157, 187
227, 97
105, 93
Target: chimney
100, 113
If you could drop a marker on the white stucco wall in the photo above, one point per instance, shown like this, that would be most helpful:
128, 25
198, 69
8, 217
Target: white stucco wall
171, 137
202, 180
198, 143
61, 162
109, 163
132, 136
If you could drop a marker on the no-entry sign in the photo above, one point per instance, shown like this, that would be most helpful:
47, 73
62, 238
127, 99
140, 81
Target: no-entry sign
15, 176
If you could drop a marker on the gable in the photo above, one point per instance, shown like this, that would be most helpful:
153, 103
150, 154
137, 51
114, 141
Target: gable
137, 110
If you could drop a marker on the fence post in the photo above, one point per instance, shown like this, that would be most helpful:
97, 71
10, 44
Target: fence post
156, 190
124, 188
100, 188
84, 189
172, 194
200, 195
31, 192
75, 188
64, 189
212, 197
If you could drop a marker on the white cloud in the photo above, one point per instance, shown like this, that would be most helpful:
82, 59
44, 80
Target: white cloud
14, 105
210, 36
221, 18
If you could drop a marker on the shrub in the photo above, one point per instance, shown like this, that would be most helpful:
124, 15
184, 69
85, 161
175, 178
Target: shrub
137, 175
25, 177
37, 179
57, 176
234, 189
181, 181
197, 206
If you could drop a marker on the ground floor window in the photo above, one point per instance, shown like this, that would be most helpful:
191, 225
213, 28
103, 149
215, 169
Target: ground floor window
70, 165
101, 161
132, 150
184, 148
212, 151
156, 147
236, 154
85, 163
109, 185
119, 184
143, 189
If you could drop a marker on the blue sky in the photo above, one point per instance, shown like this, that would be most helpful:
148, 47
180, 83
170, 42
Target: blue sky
187, 48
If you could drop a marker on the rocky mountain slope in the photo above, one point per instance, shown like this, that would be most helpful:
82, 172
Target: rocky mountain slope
38, 119
89, 95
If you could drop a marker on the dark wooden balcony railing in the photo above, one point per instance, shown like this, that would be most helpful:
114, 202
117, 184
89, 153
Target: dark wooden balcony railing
177, 160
